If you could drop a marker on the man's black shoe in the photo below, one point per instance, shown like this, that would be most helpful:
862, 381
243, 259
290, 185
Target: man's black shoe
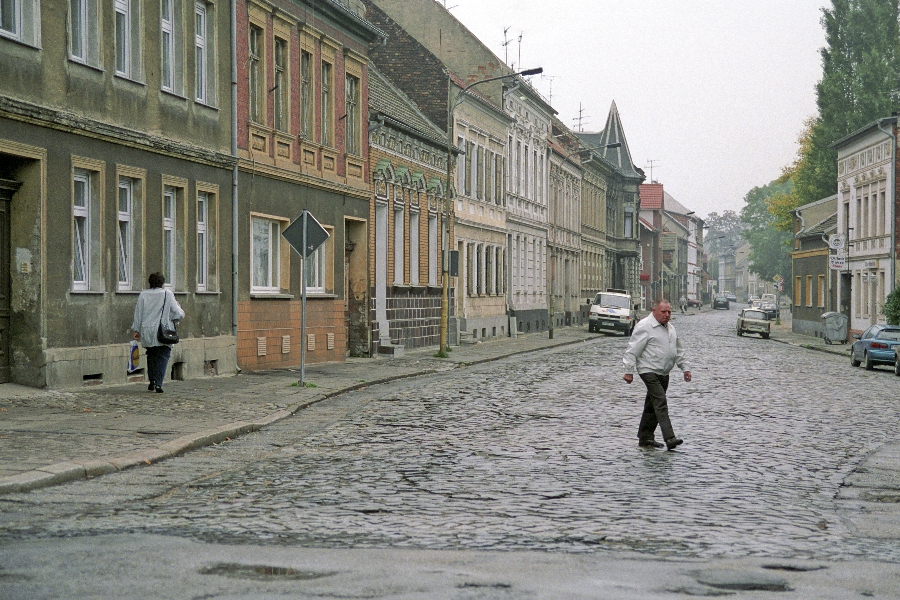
650, 444
672, 442
151, 387
159, 390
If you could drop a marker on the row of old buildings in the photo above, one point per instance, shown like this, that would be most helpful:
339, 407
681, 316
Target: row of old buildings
185, 136
845, 246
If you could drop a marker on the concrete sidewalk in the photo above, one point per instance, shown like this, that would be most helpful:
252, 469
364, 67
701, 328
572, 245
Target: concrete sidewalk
49, 437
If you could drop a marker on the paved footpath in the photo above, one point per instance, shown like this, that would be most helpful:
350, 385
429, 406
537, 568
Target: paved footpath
50, 437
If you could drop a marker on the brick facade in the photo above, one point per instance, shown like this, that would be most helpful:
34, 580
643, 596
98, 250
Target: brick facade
264, 323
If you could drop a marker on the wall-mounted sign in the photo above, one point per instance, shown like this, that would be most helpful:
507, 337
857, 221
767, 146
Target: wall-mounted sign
837, 262
837, 241
871, 264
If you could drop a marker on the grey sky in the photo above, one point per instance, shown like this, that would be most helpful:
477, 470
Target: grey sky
715, 92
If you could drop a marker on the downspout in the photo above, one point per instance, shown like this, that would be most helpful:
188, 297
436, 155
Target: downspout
234, 173
893, 253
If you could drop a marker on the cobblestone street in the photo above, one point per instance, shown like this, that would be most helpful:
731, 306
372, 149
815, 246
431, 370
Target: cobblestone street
537, 452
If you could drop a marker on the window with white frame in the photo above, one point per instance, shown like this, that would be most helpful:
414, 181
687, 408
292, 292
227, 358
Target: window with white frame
629, 222
170, 240
167, 26
306, 94
11, 18
414, 248
84, 45
256, 82
20, 20
281, 85
127, 40
81, 230
203, 199
314, 271
123, 38
125, 240
327, 105
432, 250
352, 119
201, 54
461, 165
398, 246
266, 256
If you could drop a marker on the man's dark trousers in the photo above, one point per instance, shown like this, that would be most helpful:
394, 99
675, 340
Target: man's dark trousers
656, 410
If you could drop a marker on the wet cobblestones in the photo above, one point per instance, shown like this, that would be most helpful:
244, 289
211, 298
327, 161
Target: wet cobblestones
532, 453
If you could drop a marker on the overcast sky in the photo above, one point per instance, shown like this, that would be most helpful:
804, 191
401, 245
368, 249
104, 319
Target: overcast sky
714, 92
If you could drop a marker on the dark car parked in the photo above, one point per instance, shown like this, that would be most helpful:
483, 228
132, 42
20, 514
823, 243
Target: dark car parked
721, 302
694, 303
770, 308
875, 346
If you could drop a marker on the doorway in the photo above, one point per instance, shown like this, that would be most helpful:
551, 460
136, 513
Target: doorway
7, 189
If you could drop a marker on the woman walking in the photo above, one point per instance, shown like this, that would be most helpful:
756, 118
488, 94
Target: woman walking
155, 306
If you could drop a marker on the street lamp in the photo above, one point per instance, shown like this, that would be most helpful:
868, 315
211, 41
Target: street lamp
449, 206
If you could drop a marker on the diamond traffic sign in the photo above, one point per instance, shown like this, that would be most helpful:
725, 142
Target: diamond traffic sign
315, 234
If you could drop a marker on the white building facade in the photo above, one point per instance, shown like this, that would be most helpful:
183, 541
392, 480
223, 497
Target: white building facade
866, 211
528, 193
480, 229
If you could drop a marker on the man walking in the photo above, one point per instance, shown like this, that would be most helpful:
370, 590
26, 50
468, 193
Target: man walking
653, 350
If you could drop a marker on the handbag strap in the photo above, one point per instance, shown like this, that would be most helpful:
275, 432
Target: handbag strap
165, 300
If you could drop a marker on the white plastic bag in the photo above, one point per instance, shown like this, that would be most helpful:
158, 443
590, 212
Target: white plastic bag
134, 357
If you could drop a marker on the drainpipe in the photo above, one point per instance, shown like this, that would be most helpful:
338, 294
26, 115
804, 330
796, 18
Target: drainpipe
234, 173
890, 134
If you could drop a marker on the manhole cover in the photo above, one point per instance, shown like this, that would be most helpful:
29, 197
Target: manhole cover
264, 572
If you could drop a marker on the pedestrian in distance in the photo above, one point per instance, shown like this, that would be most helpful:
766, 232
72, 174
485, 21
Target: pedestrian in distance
154, 306
683, 304
654, 349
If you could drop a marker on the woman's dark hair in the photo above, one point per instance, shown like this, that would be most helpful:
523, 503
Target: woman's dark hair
157, 280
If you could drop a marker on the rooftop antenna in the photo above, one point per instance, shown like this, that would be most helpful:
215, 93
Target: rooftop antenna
551, 78
521, 33
506, 45
650, 162
580, 118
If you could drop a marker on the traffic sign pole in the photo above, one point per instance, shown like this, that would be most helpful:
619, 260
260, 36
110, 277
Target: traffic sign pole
306, 241
303, 304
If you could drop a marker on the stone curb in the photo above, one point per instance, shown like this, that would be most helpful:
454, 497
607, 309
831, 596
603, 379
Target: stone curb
72, 470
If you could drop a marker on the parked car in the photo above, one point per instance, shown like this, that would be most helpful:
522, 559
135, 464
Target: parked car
753, 320
721, 302
876, 346
730, 295
770, 308
694, 303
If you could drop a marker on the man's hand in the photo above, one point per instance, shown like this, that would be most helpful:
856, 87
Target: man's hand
137, 336
628, 378
687, 375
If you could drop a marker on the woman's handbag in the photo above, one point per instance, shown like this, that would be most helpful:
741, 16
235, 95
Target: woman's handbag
166, 335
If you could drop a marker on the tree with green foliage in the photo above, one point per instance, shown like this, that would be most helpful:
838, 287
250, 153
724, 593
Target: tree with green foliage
724, 232
860, 83
770, 247
892, 307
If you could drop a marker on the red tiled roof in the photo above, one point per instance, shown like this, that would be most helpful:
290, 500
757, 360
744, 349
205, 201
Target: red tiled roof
651, 196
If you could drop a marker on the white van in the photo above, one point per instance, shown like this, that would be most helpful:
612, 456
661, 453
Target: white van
612, 310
